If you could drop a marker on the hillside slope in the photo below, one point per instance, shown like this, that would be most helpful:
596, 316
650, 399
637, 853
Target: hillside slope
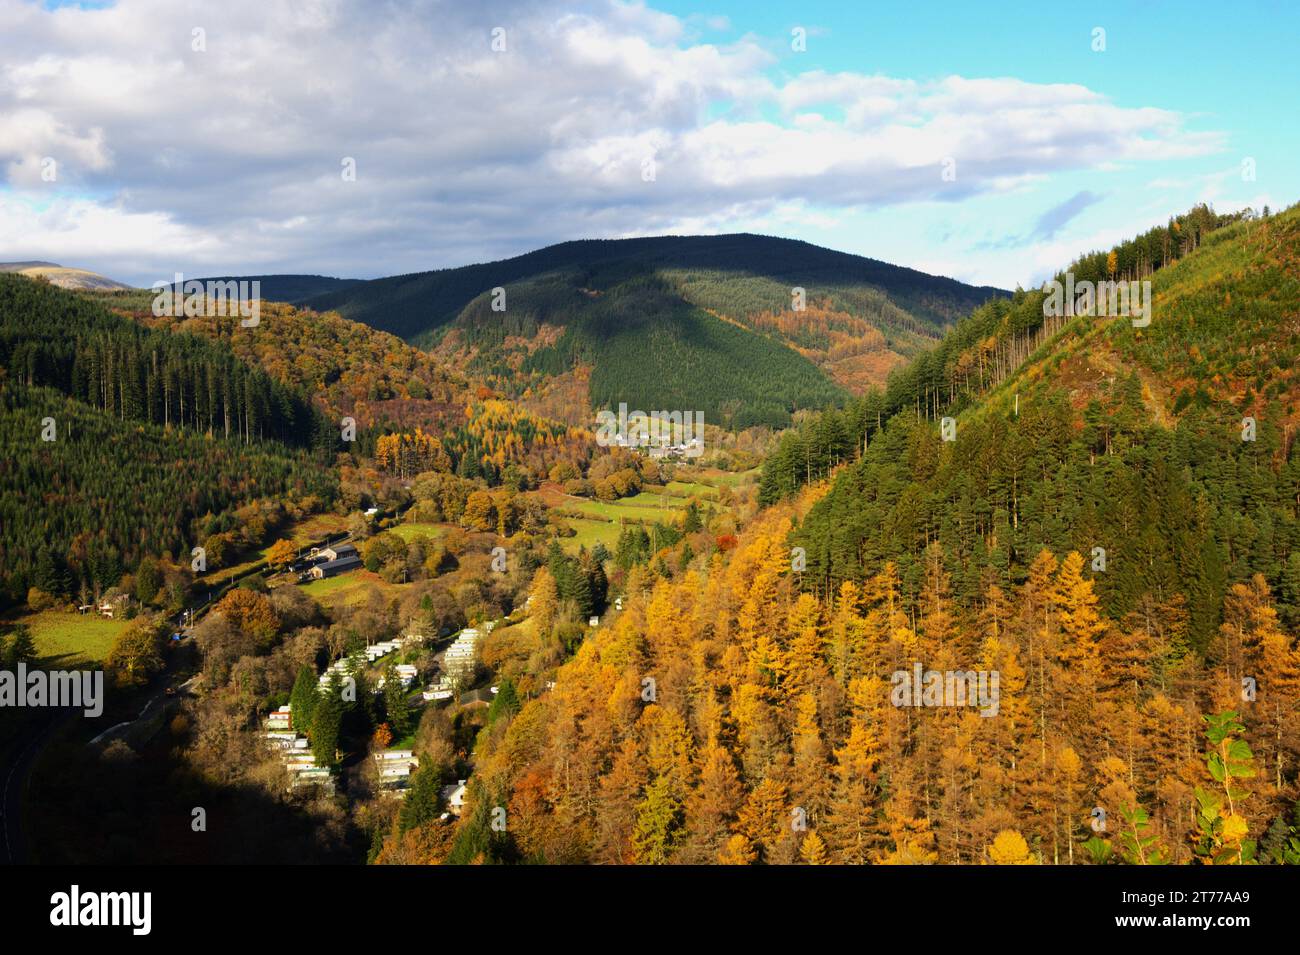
1108, 436
348, 368
633, 339
409, 305
384, 384
63, 277
720, 308
292, 289
121, 443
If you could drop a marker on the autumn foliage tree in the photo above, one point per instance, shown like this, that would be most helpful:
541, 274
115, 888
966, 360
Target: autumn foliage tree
281, 554
249, 611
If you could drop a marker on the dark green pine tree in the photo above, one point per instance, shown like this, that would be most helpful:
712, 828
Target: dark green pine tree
327, 722
631, 547
505, 703
468, 466
485, 836
687, 555
49, 575
423, 802
691, 518
396, 707
563, 568
363, 709
303, 699
1290, 606
599, 584
17, 647
148, 579
580, 592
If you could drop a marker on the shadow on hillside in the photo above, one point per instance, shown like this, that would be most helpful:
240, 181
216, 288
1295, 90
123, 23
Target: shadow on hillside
88, 808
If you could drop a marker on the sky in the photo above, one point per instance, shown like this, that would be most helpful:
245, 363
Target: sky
988, 142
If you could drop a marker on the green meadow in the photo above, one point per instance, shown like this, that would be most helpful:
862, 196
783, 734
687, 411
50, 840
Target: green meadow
67, 639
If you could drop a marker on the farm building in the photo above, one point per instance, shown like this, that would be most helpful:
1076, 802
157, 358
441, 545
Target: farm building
337, 552
339, 565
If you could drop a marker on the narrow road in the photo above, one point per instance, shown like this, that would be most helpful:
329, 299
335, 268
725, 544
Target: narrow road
15, 779
158, 697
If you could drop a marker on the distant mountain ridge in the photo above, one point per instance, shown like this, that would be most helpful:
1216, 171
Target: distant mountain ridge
748, 329
289, 288
292, 289
63, 277
23, 266
387, 302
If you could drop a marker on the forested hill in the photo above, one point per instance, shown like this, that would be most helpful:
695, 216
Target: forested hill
109, 495
348, 368
995, 342
291, 289
51, 337
690, 322
1168, 449
384, 384
142, 444
411, 305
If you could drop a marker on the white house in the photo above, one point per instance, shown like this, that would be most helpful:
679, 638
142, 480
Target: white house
454, 797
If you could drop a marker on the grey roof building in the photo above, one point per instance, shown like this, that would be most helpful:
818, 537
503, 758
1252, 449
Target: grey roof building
332, 568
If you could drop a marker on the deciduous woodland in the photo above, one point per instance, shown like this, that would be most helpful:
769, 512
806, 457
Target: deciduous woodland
772, 704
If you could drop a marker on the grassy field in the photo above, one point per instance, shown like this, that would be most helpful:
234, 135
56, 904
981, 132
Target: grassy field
602, 520
68, 639
353, 587
218, 577
406, 742
589, 533
641, 507
408, 532
716, 478
598, 521
689, 489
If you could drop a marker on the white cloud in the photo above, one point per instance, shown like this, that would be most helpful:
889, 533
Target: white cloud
98, 232
229, 159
